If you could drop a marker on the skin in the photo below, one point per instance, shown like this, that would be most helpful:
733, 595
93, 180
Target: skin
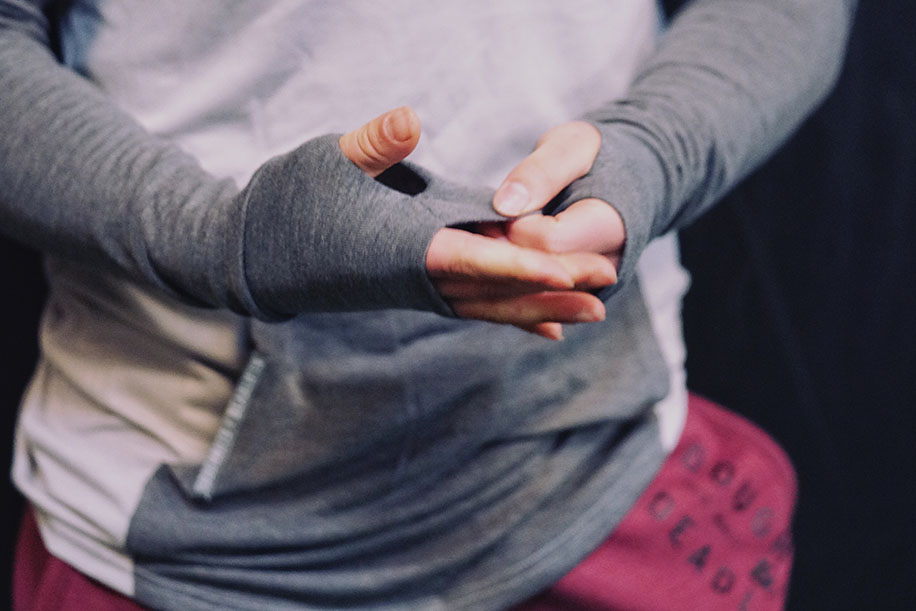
534, 272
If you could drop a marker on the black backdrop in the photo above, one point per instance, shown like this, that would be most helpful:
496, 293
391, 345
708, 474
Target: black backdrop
23, 292
801, 317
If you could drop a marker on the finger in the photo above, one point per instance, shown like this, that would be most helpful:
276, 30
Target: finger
563, 154
530, 310
383, 141
588, 270
589, 225
461, 288
457, 254
550, 330
497, 231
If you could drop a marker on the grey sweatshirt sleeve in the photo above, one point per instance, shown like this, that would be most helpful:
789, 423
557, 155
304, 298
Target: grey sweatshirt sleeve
310, 232
730, 81
80, 179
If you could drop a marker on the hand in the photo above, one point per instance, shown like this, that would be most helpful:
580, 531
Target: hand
564, 154
482, 277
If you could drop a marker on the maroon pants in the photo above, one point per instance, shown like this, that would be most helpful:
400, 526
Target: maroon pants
711, 532
41, 582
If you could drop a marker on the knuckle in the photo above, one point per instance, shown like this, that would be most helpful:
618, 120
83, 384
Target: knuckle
539, 233
369, 146
458, 263
554, 242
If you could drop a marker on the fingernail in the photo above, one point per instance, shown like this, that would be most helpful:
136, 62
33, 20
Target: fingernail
511, 199
611, 275
397, 125
590, 316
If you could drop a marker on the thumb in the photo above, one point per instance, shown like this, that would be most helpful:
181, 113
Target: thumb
562, 155
383, 141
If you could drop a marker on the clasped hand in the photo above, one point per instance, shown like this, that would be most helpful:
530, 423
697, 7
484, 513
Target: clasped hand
533, 271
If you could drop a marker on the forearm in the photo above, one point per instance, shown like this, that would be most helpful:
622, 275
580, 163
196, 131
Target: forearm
729, 82
80, 179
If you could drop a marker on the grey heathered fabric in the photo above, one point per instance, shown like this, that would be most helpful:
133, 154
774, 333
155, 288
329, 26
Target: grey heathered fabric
320, 235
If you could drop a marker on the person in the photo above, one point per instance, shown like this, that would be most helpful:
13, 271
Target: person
283, 368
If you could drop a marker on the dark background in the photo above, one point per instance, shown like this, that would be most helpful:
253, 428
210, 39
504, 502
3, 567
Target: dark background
801, 316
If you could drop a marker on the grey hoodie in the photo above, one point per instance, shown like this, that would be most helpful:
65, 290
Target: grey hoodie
377, 453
